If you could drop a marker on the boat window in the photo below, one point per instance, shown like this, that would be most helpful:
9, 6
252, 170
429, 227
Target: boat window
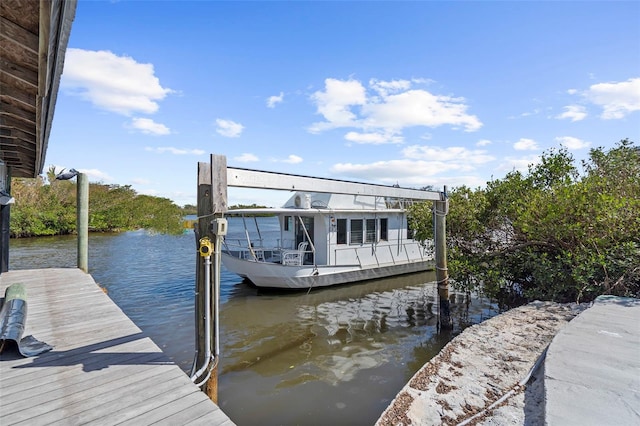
342, 231
301, 235
356, 231
384, 225
287, 223
409, 231
370, 236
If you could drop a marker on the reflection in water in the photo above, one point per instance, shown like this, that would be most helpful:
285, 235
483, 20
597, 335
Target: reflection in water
337, 354
330, 356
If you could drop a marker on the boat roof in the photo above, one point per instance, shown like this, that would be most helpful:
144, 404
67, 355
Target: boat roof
302, 211
325, 203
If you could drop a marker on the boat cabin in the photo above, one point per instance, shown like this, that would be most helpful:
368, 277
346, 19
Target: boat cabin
332, 230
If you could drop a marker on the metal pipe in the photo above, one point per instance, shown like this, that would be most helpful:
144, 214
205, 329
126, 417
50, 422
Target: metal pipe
207, 318
216, 292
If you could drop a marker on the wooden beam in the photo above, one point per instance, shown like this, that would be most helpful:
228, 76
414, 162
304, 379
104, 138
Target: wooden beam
219, 180
17, 144
13, 122
25, 75
13, 33
22, 96
14, 109
281, 181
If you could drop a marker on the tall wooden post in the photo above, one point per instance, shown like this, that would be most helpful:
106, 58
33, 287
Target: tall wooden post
82, 222
203, 229
442, 275
212, 202
5, 217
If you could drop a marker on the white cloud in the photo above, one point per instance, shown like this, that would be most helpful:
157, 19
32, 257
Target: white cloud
536, 111
391, 107
386, 87
572, 91
246, 158
520, 164
114, 83
420, 167
409, 173
483, 142
393, 171
616, 99
140, 181
418, 108
174, 151
573, 112
525, 144
95, 175
335, 102
572, 143
273, 100
293, 159
148, 191
373, 138
150, 127
229, 128
453, 154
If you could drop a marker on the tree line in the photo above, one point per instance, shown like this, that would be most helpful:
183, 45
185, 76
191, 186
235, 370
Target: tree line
558, 232
46, 206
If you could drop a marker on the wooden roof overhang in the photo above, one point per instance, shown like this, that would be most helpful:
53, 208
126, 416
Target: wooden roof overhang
33, 41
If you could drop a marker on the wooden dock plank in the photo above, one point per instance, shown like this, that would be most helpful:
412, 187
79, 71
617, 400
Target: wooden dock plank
181, 411
49, 388
58, 364
102, 369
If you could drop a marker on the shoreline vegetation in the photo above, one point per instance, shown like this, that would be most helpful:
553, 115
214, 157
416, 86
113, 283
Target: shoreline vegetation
559, 232
46, 207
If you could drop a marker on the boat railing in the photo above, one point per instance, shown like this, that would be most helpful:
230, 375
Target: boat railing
252, 250
255, 251
380, 254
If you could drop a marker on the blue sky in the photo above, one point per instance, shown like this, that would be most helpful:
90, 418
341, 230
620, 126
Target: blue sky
409, 93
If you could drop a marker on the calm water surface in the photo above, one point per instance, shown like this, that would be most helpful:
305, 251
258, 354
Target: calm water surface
332, 356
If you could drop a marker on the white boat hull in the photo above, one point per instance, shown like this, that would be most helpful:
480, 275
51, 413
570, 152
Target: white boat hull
276, 275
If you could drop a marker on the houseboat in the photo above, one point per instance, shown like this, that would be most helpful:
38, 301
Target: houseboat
326, 239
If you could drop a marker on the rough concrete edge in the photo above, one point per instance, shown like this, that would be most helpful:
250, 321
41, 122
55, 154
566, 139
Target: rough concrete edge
402, 409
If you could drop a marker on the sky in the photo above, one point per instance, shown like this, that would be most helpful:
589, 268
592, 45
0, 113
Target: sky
421, 93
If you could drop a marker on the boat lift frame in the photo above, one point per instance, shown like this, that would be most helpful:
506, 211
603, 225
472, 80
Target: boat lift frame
213, 180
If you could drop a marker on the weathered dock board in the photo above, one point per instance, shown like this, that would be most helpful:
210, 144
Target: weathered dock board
102, 369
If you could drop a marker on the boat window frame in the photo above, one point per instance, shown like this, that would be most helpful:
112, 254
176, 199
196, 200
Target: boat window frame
384, 228
357, 232
342, 235
370, 234
410, 231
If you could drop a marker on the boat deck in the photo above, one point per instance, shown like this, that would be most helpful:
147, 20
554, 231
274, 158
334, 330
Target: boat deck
102, 370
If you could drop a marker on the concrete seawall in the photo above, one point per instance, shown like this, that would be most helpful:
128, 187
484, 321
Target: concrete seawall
496, 372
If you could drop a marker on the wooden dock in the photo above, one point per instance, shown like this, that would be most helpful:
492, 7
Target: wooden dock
102, 370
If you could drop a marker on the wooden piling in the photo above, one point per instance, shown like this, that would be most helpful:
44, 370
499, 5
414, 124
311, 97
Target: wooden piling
203, 229
82, 222
212, 202
442, 275
5, 218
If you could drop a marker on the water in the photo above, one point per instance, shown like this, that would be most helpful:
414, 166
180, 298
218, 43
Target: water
337, 355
